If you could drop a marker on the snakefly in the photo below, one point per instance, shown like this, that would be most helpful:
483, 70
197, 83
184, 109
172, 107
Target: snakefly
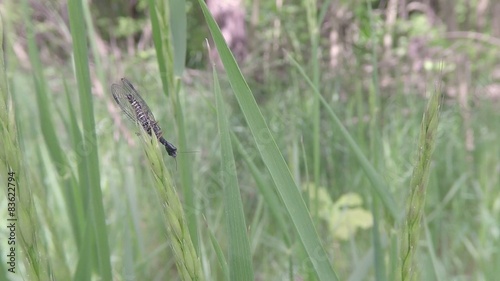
129, 100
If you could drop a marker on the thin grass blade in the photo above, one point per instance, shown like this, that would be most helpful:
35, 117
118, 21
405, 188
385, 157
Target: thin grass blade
240, 259
220, 255
274, 161
272, 200
89, 161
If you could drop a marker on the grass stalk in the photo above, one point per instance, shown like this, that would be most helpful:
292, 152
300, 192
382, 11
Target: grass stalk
186, 259
418, 185
169, 34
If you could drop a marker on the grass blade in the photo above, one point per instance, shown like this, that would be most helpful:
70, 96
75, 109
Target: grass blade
274, 161
44, 109
269, 195
56, 153
220, 255
90, 162
240, 259
160, 22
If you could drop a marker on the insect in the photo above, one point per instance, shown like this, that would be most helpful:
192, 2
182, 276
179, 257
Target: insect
129, 100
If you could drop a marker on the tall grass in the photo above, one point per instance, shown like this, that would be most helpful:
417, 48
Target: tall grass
272, 158
98, 204
418, 187
21, 208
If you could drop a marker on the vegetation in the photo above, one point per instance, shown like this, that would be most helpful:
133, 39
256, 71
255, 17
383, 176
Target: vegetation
356, 140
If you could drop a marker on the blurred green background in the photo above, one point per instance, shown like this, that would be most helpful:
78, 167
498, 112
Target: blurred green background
87, 206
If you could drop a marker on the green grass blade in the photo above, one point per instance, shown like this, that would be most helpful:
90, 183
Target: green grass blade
434, 256
240, 258
178, 23
92, 36
90, 160
220, 255
44, 109
160, 22
274, 161
47, 126
76, 197
377, 181
272, 200
84, 266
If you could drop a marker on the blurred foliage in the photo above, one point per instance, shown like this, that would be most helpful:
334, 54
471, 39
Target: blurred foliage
120, 18
343, 217
360, 23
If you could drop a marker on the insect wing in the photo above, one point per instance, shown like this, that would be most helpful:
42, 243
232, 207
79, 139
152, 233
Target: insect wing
120, 96
153, 124
145, 108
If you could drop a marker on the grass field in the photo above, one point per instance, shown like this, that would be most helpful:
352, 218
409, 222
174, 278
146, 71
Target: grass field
297, 182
